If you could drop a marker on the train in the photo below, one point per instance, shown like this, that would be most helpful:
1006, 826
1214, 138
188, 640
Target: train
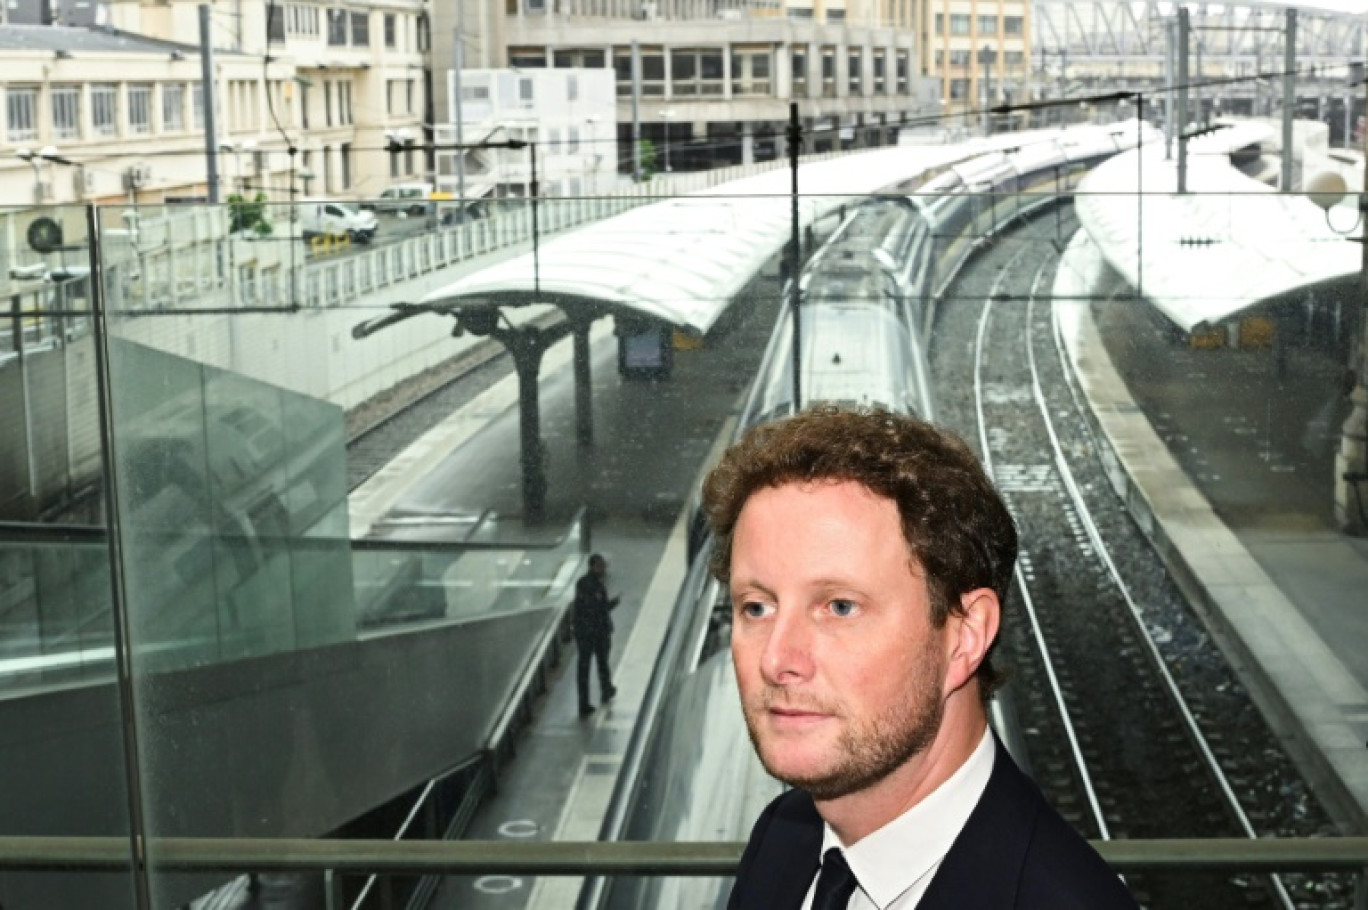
867, 295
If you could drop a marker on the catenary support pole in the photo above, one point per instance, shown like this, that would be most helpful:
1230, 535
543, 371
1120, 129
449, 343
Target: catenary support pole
207, 93
636, 111
1289, 111
1184, 34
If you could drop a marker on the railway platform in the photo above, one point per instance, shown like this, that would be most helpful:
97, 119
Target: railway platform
1225, 458
652, 440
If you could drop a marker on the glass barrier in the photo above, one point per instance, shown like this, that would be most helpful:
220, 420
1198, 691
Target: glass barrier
360, 458
63, 758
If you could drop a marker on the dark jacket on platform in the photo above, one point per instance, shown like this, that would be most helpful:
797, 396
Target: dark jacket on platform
591, 618
1015, 852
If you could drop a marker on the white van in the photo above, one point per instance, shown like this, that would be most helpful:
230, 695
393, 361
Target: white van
333, 218
409, 198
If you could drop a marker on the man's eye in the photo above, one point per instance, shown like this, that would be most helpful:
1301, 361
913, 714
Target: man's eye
842, 607
752, 608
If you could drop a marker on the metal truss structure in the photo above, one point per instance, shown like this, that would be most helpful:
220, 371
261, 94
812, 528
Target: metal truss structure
1126, 41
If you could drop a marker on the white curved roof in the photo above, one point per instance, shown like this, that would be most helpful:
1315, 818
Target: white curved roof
1225, 246
682, 260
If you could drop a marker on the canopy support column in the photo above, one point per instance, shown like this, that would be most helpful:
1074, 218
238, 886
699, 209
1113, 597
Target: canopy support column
526, 345
584, 386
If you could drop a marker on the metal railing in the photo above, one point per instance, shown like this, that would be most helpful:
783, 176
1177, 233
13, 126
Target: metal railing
576, 858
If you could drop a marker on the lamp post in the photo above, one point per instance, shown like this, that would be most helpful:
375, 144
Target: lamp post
237, 147
34, 160
986, 56
667, 116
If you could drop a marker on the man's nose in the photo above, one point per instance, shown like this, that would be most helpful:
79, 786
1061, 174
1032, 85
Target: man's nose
787, 655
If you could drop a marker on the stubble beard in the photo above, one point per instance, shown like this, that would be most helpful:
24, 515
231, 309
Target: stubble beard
869, 751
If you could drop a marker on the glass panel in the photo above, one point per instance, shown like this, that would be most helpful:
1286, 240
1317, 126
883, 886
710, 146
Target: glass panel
63, 758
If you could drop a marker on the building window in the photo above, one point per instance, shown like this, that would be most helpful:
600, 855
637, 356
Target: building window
408, 156
173, 107
327, 104
360, 29
828, 72
408, 96
66, 112
22, 107
854, 71
987, 24
572, 141
798, 62
578, 58
140, 109
959, 58
275, 23
525, 92
959, 89
344, 104
391, 91
959, 23
527, 57
301, 20
337, 28
652, 71
1013, 25
394, 159
751, 72
1014, 58
104, 109
345, 151
696, 72
835, 15
391, 31
800, 12
940, 23
197, 106
571, 87
880, 71
424, 33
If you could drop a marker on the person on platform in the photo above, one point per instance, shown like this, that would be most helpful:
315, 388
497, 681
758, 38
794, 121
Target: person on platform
593, 631
868, 557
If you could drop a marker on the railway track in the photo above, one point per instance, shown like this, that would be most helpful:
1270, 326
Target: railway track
1136, 725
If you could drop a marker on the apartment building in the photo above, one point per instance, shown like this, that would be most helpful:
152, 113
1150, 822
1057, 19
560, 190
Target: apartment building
716, 79
980, 53
566, 118
344, 86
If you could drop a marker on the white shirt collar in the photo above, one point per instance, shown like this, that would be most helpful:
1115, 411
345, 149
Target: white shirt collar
906, 852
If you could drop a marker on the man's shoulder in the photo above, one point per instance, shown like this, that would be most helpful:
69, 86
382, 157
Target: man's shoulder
1060, 869
1037, 859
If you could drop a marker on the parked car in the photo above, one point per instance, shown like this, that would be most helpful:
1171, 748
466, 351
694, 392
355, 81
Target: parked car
408, 198
333, 218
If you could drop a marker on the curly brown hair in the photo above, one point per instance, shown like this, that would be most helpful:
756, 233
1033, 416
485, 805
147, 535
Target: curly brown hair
957, 528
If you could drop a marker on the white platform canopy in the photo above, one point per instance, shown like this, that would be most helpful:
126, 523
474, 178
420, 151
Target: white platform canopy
682, 260
1227, 245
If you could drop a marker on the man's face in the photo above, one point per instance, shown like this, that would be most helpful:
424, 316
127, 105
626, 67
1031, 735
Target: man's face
599, 567
840, 670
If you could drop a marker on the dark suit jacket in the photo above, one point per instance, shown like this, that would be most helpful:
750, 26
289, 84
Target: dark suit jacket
1014, 852
591, 620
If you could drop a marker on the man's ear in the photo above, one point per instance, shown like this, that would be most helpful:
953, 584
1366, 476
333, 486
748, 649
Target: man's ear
971, 631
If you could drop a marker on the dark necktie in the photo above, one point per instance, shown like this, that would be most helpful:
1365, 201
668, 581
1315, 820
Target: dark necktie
835, 884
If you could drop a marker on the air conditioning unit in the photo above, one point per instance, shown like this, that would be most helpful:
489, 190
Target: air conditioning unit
83, 181
42, 191
138, 176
